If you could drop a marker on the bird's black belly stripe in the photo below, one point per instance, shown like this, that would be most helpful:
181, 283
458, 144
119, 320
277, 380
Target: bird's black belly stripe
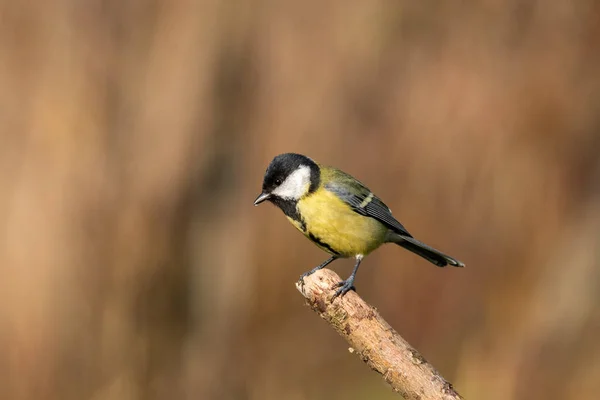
302, 225
322, 243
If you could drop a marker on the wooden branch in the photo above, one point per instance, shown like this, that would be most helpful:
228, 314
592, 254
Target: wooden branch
374, 340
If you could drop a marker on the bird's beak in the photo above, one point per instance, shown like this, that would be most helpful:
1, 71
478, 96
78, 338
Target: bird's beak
262, 197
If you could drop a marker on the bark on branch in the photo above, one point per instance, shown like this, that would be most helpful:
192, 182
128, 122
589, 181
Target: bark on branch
374, 340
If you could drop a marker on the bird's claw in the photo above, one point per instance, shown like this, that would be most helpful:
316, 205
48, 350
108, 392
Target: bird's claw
301, 279
344, 287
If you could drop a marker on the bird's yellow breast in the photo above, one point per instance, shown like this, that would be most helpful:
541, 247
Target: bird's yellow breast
336, 228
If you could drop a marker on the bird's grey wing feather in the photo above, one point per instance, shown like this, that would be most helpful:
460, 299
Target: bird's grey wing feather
357, 196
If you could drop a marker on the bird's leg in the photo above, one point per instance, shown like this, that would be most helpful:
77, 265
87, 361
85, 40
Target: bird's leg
315, 269
348, 284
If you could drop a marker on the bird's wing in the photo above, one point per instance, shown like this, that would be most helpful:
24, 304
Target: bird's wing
361, 199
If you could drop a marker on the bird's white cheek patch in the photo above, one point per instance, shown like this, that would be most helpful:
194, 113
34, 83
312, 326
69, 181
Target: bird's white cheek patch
295, 185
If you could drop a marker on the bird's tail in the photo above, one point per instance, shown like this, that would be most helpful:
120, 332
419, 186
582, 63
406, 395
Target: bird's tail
429, 253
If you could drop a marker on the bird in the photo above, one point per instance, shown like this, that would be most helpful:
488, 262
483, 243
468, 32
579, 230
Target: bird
338, 213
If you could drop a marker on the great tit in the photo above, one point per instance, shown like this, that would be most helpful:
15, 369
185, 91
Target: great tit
337, 213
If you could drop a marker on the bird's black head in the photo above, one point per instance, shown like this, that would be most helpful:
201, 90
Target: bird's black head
288, 178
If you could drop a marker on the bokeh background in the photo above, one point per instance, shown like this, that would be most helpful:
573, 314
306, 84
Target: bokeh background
134, 136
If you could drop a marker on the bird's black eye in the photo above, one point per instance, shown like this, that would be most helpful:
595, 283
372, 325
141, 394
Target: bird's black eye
278, 181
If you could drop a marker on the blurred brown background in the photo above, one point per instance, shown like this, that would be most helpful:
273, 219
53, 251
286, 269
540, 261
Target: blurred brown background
134, 136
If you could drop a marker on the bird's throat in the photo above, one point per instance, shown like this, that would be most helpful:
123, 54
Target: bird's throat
290, 209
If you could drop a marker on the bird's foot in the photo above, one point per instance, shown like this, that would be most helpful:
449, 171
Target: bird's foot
304, 275
315, 269
344, 287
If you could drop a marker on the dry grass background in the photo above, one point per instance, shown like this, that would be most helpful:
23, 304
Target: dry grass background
134, 136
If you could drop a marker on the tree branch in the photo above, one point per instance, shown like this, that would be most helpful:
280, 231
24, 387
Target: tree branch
374, 340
